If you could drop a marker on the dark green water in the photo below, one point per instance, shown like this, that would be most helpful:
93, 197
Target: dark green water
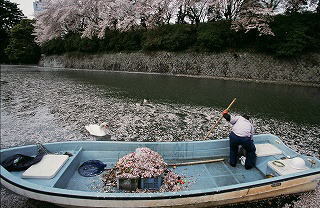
289, 103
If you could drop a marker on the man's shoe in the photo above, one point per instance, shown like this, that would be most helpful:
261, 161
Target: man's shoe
248, 167
233, 165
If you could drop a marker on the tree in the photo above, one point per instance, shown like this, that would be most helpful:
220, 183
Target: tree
10, 15
315, 4
197, 10
293, 6
92, 18
21, 47
154, 12
4, 40
57, 19
271, 4
254, 16
225, 9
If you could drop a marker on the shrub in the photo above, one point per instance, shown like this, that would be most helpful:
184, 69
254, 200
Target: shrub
170, 38
112, 41
89, 45
131, 40
214, 36
72, 42
294, 34
54, 46
294, 43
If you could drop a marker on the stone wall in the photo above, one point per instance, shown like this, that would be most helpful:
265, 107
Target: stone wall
224, 65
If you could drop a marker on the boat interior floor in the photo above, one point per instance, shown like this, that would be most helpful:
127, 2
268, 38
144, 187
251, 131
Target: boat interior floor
195, 177
217, 174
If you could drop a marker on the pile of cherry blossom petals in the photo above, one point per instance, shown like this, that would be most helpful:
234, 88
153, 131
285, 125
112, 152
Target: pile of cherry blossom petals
171, 183
143, 163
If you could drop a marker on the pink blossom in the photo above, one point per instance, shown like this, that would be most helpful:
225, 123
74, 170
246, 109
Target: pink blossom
92, 17
143, 163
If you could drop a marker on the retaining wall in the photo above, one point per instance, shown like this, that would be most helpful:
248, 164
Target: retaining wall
224, 65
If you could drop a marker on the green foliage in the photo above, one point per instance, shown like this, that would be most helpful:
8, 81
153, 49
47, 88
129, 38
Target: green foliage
121, 41
295, 34
111, 41
170, 38
21, 47
4, 40
54, 46
294, 43
152, 40
115, 41
88, 45
131, 40
214, 36
72, 42
10, 15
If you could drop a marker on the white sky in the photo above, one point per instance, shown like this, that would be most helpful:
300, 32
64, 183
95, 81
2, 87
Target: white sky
26, 6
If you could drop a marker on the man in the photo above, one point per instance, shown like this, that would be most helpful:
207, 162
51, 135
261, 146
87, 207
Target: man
241, 134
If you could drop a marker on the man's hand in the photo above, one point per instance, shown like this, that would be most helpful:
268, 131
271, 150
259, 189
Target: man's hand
225, 112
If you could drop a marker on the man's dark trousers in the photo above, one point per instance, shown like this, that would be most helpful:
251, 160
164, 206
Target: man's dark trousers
247, 144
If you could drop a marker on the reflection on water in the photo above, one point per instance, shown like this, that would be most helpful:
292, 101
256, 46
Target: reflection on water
295, 103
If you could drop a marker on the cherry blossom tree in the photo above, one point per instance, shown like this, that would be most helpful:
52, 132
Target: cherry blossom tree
151, 13
314, 5
192, 11
57, 19
225, 9
254, 16
91, 18
197, 11
161, 12
295, 5
117, 15
90, 14
271, 4
182, 11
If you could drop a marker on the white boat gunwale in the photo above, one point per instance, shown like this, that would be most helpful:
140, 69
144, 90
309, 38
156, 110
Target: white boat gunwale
149, 196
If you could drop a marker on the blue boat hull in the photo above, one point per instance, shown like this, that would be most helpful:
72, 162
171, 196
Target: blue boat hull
209, 184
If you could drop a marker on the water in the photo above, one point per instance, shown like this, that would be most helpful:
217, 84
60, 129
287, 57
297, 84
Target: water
290, 103
49, 106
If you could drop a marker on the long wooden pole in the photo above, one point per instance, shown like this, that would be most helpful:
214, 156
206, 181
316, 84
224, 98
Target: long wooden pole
197, 162
218, 121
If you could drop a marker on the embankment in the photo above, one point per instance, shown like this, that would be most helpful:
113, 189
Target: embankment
304, 70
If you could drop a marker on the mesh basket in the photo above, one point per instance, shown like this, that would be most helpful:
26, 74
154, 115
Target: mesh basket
128, 184
151, 183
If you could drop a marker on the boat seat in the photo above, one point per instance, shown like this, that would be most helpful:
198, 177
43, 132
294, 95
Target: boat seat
286, 166
267, 149
47, 168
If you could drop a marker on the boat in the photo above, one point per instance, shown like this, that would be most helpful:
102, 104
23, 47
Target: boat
212, 181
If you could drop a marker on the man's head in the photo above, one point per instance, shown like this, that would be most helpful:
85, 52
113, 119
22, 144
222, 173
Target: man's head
246, 116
